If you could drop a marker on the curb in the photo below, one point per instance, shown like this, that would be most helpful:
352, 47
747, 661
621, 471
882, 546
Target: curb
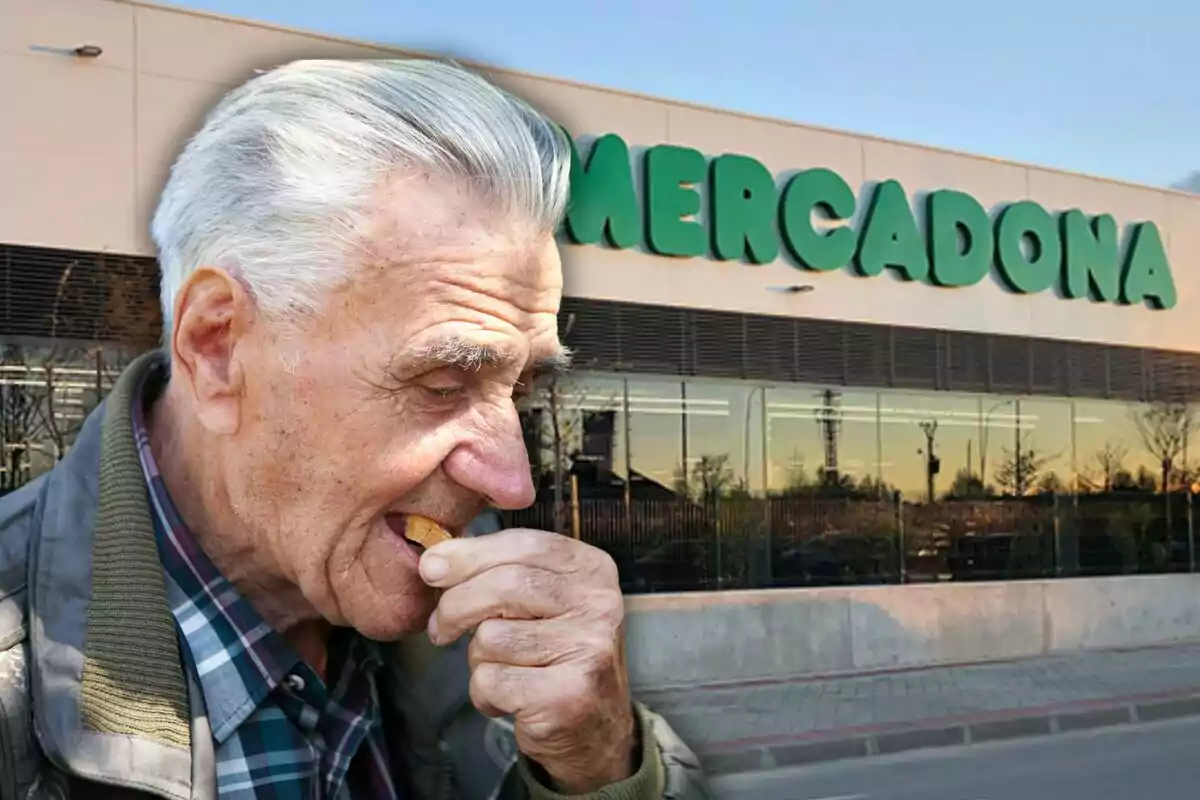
766, 753
734, 684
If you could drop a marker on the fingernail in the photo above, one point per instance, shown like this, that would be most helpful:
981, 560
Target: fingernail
431, 627
434, 568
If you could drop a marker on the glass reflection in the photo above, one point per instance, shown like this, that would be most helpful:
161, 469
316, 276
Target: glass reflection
697, 484
929, 445
1026, 447
657, 446
724, 438
47, 389
823, 440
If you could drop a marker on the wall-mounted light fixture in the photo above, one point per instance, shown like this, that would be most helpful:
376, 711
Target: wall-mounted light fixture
82, 51
793, 288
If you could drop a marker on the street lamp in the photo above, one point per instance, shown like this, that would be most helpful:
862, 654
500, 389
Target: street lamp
1018, 477
746, 433
983, 439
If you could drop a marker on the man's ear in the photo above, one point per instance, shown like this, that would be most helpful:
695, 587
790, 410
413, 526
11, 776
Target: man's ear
213, 313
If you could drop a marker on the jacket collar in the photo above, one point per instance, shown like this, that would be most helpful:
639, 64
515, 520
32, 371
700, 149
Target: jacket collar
105, 697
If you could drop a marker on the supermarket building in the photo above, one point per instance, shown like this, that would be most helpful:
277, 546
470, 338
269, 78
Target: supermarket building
793, 305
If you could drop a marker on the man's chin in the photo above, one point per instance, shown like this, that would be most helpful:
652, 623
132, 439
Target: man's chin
392, 624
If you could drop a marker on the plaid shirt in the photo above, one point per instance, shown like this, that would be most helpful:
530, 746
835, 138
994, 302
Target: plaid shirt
278, 730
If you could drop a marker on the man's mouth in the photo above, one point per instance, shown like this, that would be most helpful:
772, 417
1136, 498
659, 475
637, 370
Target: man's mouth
421, 532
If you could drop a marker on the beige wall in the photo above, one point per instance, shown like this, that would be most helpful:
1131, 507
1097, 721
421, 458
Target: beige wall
93, 141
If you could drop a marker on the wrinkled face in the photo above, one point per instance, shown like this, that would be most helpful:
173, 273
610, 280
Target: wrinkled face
398, 399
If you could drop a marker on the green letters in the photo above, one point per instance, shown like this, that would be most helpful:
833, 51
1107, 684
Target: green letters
728, 208
742, 210
671, 172
1089, 256
890, 237
603, 200
817, 189
1146, 276
951, 216
1021, 222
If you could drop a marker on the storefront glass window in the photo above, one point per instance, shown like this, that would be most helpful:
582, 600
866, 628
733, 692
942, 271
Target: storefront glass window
724, 438
695, 484
1134, 476
657, 449
931, 444
823, 439
590, 444
47, 389
1026, 446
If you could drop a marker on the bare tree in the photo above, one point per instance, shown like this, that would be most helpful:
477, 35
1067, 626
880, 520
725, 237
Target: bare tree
1110, 462
713, 477
1166, 429
1019, 470
19, 404
558, 433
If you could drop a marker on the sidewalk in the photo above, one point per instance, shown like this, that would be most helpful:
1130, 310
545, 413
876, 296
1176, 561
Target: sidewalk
767, 724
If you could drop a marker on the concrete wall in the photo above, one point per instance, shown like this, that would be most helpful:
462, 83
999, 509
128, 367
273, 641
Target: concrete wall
95, 139
733, 636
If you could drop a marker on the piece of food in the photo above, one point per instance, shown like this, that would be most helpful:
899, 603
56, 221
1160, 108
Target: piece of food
424, 531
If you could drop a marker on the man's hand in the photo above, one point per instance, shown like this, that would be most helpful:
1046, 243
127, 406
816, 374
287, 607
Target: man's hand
548, 647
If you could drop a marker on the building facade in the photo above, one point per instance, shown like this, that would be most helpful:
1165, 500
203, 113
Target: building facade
804, 356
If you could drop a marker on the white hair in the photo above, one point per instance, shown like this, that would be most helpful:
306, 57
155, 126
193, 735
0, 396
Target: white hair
276, 185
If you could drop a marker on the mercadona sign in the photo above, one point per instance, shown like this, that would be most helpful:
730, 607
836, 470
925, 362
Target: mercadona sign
748, 217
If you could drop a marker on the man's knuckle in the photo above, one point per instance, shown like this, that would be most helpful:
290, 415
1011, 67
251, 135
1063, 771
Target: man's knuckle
528, 540
608, 607
485, 679
490, 635
600, 647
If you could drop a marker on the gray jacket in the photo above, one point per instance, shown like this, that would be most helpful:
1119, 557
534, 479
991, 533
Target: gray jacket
94, 701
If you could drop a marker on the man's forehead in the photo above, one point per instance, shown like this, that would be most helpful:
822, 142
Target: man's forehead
440, 216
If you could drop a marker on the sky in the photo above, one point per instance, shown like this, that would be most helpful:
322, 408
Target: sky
1103, 87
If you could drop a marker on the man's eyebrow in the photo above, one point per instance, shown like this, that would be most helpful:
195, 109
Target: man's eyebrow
460, 353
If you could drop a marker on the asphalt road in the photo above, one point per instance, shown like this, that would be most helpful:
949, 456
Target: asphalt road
1159, 761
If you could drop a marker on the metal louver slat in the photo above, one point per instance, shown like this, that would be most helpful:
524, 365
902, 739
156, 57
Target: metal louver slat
915, 358
1010, 360
592, 331
1168, 376
770, 348
1126, 379
1051, 367
718, 343
652, 340
1088, 368
967, 362
868, 355
820, 352
79, 295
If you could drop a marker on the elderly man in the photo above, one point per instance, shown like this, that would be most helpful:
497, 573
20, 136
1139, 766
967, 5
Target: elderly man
359, 280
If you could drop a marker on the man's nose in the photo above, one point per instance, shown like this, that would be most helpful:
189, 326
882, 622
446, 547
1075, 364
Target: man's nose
494, 461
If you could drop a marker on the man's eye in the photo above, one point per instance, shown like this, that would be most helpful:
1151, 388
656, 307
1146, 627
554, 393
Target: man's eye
443, 393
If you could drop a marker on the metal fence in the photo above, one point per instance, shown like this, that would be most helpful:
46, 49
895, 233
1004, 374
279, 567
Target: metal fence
746, 543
